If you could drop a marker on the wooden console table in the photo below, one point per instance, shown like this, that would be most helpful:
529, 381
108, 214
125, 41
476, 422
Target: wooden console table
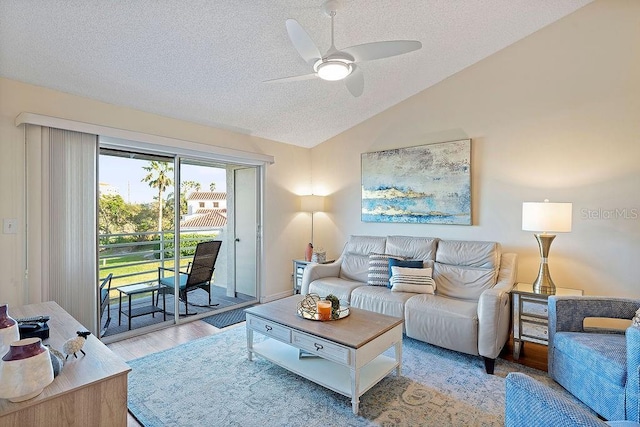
90, 391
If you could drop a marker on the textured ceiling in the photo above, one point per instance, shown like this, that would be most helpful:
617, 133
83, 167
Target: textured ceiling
206, 61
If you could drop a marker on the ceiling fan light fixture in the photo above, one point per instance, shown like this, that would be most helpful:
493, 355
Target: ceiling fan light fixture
333, 70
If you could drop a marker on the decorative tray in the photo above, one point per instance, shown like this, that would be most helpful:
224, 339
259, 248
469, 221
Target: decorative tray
308, 309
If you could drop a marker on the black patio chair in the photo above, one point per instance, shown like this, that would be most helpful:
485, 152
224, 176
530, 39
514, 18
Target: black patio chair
105, 302
198, 274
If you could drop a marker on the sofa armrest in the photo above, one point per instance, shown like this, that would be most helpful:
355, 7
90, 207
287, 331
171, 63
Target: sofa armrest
318, 271
494, 311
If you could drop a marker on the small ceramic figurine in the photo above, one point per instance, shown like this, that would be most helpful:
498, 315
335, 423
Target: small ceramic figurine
74, 345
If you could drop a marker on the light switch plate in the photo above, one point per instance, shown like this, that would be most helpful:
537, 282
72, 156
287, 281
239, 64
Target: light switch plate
9, 226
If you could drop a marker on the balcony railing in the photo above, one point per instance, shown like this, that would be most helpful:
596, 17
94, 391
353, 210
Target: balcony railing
134, 258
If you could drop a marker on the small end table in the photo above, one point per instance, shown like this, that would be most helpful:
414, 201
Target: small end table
130, 290
531, 314
298, 270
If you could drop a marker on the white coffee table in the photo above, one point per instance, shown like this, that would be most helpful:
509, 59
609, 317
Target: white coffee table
350, 350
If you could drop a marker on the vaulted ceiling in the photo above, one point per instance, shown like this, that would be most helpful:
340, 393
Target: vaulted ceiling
206, 61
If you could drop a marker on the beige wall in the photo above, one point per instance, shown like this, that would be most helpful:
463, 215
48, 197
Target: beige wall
557, 116
285, 228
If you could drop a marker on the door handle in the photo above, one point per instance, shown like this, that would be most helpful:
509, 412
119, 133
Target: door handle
237, 240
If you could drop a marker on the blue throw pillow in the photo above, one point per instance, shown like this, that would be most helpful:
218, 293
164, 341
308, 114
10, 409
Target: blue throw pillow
410, 263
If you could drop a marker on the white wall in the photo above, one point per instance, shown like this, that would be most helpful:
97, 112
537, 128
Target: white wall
557, 116
285, 228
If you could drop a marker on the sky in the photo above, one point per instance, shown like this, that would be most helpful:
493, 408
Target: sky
126, 176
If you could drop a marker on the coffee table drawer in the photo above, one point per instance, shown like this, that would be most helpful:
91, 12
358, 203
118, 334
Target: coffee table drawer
271, 329
320, 347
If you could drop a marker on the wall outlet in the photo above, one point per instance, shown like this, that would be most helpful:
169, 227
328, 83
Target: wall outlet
9, 226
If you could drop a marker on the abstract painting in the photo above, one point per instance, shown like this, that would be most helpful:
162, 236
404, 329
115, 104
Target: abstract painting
427, 184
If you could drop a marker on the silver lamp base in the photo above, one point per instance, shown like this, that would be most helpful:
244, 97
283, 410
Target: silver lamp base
543, 283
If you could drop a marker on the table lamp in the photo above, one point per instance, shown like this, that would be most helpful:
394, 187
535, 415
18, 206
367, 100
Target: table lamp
545, 217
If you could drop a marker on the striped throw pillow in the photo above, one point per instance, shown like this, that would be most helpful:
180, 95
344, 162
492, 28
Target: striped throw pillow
416, 280
379, 269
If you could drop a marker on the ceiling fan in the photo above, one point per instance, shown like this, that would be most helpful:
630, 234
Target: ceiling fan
341, 64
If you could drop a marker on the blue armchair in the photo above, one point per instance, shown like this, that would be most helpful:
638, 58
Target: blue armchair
531, 403
599, 367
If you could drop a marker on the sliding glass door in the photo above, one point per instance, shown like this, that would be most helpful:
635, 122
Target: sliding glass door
154, 212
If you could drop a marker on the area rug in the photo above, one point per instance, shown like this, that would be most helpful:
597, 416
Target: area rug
210, 382
227, 318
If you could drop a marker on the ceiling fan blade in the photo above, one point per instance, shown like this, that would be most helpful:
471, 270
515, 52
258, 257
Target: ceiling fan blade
379, 50
293, 78
355, 81
302, 42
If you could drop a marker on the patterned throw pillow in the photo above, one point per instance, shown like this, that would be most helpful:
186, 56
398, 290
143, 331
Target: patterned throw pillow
409, 263
379, 269
416, 280
636, 319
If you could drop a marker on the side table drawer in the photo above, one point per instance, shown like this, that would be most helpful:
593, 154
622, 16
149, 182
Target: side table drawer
535, 308
270, 329
535, 330
320, 347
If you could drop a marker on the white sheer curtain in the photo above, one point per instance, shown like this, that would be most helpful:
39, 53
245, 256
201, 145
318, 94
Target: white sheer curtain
62, 220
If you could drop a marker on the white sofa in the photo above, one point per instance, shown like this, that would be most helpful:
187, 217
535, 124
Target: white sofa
469, 310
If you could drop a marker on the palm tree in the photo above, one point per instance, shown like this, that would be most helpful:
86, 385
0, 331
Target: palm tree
159, 177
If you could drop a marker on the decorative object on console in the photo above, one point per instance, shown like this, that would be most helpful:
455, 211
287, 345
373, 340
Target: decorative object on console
312, 204
545, 217
319, 256
75, 344
427, 184
8, 329
57, 360
25, 370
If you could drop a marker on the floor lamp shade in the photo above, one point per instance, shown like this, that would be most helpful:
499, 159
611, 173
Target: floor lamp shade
312, 203
546, 217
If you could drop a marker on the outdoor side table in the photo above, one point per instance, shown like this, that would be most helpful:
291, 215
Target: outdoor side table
141, 288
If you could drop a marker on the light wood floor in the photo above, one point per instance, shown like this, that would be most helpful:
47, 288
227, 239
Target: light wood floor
532, 355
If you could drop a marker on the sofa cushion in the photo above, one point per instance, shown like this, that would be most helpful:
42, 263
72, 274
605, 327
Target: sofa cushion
355, 256
380, 300
445, 322
423, 248
469, 253
334, 285
416, 280
462, 282
379, 271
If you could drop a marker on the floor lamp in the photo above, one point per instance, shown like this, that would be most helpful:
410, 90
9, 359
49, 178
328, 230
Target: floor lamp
545, 217
312, 204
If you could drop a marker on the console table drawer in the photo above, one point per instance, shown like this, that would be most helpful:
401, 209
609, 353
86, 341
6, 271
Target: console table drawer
535, 308
321, 347
271, 329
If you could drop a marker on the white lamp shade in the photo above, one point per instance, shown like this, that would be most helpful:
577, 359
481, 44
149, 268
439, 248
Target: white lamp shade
545, 216
312, 203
